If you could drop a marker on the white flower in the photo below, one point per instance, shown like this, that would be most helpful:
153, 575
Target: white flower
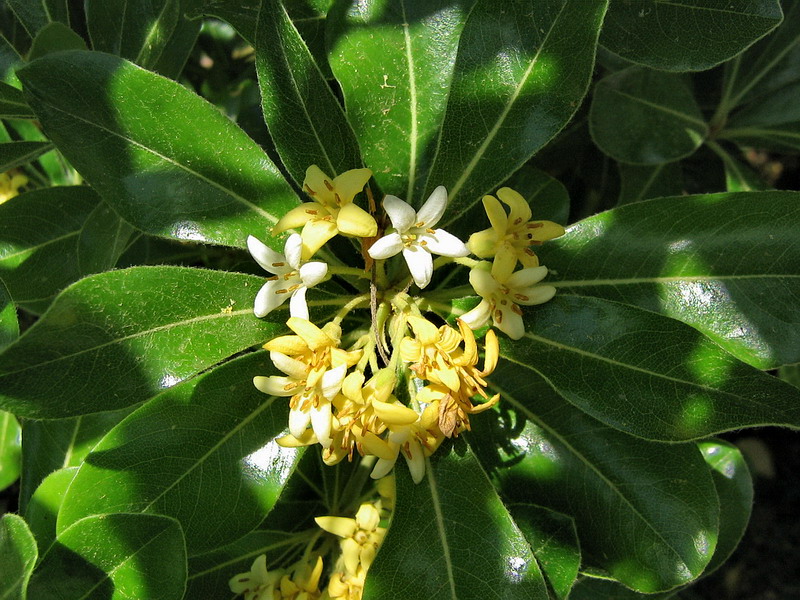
500, 298
412, 233
291, 278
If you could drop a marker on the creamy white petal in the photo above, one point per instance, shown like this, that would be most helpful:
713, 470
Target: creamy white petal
312, 273
510, 323
433, 209
402, 215
534, 295
386, 247
442, 243
266, 257
526, 277
292, 367
478, 316
382, 467
483, 283
416, 464
276, 385
267, 300
420, 263
298, 422
293, 250
298, 307
321, 423
332, 381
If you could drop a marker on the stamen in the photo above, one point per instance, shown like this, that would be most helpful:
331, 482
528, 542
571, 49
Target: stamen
312, 212
518, 220
521, 297
328, 185
310, 192
281, 291
516, 309
294, 287
429, 230
535, 225
278, 264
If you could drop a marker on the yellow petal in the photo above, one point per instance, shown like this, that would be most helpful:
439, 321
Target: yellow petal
312, 335
299, 216
520, 210
351, 554
504, 262
291, 345
483, 243
496, 214
491, 352
545, 230
350, 183
315, 234
351, 386
449, 377
394, 414
341, 526
368, 518
354, 220
426, 332
289, 441
319, 186
378, 447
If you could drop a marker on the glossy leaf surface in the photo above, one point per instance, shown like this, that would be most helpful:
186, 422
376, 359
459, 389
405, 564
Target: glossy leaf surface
45, 503
18, 554
15, 154
209, 440
10, 443
103, 229
12, 103
36, 14
686, 35
304, 118
114, 557
554, 542
120, 337
724, 263
9, 324
524, 70
624, 493
645, 374
429, 550
394, 61
165, 159
55, 37
644, 182
39, 234
644, 117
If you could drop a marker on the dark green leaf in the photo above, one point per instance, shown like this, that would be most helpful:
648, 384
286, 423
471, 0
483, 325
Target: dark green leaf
645, 117
646, 374
641, 182
772, 123
10, 442
242, 15
154, 35
9, 325
394, 61
596, 588
10, 60
739, 177
18, 554
55, 37
625, 494
209, 439
39, 235
15, 154
521, 72
45, 503
114, 557
554, 542
790, 374
162, 157
547, 196
735, 490
118, 338
305, 119
51, 445
724, 263
36, 14
451, 537
103, 229
12, 103
686, 35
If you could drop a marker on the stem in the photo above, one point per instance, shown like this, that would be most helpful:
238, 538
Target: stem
351, 271
352, 491
457, 292
725, 104
345, 310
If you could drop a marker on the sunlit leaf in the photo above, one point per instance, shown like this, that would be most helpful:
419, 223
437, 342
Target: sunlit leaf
9, 325
18, 554
45, 503
9, 449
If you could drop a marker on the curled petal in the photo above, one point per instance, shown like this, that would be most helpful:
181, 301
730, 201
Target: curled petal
394, 414
292, 367
538, 294
378, 447
520, 210
268, 298
416, 461
321, 423
443, 243
315, 234
299, 216
313, 336
526, 277
478, 316
289, 441
298, 421
401, 214
332, 382
384, 466
276, 385
354, 220
269, 260
433, 209
482, 281
298, 307
350, 183
386, 247
497, 216
427, 333
293, 250
312, 273
420, 263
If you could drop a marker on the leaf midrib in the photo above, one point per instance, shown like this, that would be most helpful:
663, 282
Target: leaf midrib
437, 509
661, 107
670, 279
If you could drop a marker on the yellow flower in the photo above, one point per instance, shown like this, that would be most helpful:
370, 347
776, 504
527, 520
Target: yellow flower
10, 183
300, 582
360, 536
343, 586
510, 236
332, 210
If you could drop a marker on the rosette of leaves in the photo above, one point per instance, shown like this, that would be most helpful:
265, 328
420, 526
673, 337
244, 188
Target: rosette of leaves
148, 463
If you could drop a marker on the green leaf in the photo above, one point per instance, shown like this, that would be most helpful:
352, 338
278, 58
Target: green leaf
10, 442
451, 537
644, 117
735, 490
597, 588
394, 62
209, 439
242, 15
37, 14
646, 374
18, 554
547, 196
739, 177
154, 35
9, 325
103, 229
55, 37
12, 103
10, 60
725, 264
304, 118
51, 445
554, 542
686, 35
39, 242
45, 503
520, 74
15, 154
625, 494
643, 182
118, 338
772, 122
167, 161
117, 557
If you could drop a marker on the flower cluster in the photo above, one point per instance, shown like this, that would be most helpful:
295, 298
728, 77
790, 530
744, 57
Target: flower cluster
10, 184
401, 383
